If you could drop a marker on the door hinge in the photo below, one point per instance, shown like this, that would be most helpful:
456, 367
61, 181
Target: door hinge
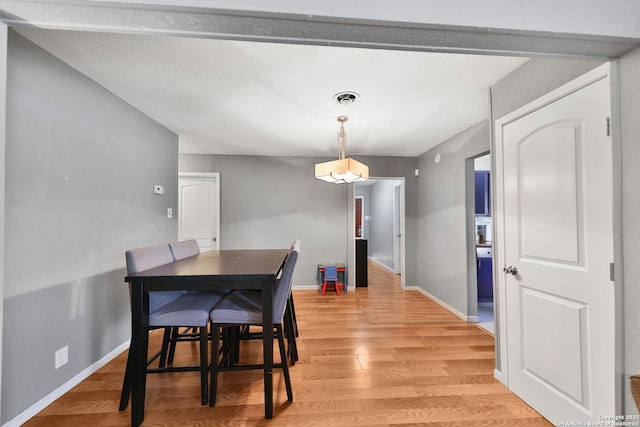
608, 126
611, 272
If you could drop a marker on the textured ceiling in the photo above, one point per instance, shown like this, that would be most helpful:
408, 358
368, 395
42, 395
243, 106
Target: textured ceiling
251, 98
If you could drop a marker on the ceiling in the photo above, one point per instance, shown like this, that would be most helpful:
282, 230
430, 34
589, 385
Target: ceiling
257, 98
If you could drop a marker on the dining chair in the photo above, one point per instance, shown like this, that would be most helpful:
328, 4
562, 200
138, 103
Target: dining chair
291, 307
169, 309
180, 250
290, 326
331, 275
184, 249
245, 308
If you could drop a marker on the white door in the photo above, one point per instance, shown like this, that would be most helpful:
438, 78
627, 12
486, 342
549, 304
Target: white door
557, 240
199, 209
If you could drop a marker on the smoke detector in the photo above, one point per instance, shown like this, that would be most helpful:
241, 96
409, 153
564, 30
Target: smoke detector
346, 98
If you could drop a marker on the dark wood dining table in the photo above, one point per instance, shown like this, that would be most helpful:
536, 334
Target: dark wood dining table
218, 269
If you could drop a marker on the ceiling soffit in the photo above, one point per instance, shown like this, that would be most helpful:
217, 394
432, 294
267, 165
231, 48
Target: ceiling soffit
171, 20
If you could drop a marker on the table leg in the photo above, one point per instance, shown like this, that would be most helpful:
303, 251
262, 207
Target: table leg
138, 349
267, 342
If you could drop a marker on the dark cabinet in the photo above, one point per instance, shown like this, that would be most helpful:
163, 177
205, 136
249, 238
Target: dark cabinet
485, 273
485, 279
362, 257
483, 193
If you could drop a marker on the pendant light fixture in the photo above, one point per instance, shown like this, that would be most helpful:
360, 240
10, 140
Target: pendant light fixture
345, 169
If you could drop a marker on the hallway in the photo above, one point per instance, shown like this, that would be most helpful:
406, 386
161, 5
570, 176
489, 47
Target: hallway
373, 356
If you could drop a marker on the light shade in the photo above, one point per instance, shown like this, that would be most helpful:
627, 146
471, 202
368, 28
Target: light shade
342, 171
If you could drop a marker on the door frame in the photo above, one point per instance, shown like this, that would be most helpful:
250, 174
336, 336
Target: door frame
501, 371
204, 175
470, 226
398, 229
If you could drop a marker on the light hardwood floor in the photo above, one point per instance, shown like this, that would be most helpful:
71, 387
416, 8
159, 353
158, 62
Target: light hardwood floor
375, 356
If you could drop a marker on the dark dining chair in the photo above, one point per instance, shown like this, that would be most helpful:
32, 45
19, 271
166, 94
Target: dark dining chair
245, 308
180, 250
244, 332
169, 309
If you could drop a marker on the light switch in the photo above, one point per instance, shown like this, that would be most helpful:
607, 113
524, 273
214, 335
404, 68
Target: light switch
158, 189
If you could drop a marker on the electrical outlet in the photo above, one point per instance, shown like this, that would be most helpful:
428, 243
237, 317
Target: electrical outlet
169, 213
62, 356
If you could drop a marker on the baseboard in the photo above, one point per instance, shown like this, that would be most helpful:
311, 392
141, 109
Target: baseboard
473, 319
34, 409
442, 303
386, 267
305, 287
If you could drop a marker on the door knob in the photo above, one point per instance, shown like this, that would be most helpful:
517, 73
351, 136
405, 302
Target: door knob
510, 270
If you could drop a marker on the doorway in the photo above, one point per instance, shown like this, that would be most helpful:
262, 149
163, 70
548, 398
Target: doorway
379, 223
483, 242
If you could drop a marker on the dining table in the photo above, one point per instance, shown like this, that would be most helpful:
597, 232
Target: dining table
216, 269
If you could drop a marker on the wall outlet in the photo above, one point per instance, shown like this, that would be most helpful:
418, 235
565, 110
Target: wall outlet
62, 356
169, 213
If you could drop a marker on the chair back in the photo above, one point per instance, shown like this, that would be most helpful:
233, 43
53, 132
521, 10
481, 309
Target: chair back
142, 259
283, 286
330, 272
184, 249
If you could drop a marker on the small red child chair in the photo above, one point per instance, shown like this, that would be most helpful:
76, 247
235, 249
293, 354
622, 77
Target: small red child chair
331, 275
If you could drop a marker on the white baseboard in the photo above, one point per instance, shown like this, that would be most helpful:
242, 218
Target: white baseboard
386, 267
34, 409
305, 287
443, 304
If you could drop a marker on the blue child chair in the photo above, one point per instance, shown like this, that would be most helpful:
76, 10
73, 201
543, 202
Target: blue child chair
331, 275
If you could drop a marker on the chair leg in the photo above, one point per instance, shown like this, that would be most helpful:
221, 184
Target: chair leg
337, 287
126, 386
175, 331
166, 341
228, 346
236, 344
204, 364
215, 338
285, 364
324, 287
293, 314
289, 329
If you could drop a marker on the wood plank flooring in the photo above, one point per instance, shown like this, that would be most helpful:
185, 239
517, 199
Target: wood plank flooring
375, 356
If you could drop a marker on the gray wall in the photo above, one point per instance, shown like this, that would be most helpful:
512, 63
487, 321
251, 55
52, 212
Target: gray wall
4, 34
442, 213
267, 202
270, 201
630, 132
381, 232
80, 169
533, 79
